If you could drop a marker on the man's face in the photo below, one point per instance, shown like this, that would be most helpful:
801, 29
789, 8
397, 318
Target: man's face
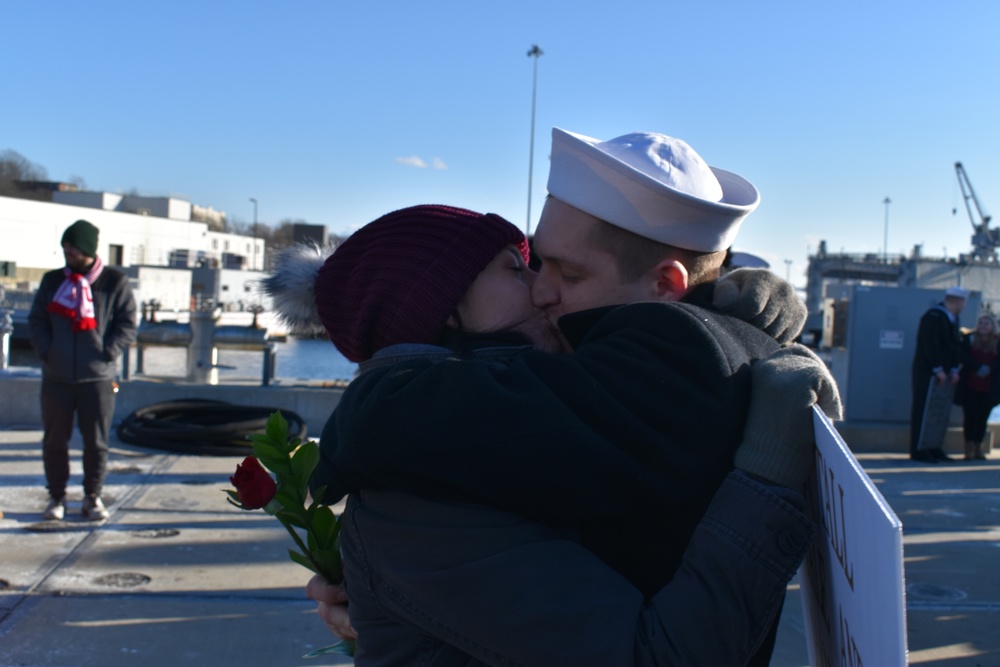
76, 260
577, 275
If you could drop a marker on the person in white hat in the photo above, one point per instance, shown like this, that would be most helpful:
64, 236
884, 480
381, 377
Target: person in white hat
638, 218
624, 441
936, 362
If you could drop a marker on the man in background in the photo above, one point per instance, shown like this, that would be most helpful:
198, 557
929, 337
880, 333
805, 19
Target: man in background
938, 357
82, 319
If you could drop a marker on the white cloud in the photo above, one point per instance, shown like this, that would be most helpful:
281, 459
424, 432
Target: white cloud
438, 163
412, 162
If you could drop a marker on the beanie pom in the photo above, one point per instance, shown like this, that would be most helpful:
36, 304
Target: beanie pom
291, 285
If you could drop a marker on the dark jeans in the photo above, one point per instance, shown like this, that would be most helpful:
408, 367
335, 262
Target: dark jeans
94, 405
976, 410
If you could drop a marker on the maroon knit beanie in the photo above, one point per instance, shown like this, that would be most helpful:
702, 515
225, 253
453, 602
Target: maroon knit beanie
399, 278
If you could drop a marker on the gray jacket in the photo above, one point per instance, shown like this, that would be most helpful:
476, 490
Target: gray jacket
449, 585
83, 356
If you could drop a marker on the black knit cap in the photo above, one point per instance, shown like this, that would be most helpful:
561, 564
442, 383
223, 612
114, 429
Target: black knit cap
83, 236
399, 278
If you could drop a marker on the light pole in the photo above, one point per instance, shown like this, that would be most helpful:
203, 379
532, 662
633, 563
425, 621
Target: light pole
253, 267
788, 270
535, 53
885, 239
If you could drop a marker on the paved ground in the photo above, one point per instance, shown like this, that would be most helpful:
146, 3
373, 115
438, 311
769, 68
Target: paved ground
177, 576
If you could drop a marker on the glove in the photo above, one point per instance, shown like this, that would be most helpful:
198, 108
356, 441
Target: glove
778, 440
762, 299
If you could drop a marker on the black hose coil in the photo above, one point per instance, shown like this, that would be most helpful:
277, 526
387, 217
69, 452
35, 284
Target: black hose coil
207, 427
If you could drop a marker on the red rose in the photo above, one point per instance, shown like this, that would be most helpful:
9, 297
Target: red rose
254, 486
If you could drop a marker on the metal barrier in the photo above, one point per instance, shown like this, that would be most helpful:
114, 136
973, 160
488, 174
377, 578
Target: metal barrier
202, 338
158, 334
229, 337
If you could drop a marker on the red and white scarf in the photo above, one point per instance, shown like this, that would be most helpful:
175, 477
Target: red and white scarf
74, 299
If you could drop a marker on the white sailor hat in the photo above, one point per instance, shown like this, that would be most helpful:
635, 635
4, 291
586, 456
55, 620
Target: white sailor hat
653, 185
957, 292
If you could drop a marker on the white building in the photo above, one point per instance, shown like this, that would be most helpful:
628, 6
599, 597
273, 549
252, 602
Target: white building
157, 235
153, 243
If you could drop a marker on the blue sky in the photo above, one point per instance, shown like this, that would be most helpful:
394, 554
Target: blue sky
324, 111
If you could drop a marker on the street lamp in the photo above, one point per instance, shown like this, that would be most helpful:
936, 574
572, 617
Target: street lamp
885, 239
535, 53
253, 267
788, 270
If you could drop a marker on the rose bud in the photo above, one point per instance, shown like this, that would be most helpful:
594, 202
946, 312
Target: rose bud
254, 486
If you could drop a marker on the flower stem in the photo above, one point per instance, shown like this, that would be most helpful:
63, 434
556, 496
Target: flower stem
302, 547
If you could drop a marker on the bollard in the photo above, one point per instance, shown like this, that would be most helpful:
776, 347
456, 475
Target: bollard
6, 329
270, 359
125, 368
203, 357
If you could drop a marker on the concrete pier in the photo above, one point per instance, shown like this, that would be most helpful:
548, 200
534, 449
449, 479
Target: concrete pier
20, 389
178, 576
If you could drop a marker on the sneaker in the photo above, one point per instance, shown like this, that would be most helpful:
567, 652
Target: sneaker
94, 509
56, 510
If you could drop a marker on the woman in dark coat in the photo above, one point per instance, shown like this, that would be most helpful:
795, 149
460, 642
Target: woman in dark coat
980, 388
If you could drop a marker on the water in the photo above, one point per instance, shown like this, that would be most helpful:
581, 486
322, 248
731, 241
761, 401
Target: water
307, 360
297, 359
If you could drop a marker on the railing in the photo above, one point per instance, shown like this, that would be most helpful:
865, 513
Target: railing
203, 338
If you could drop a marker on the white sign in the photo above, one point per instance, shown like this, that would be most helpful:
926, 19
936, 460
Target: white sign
853, 590
890, 339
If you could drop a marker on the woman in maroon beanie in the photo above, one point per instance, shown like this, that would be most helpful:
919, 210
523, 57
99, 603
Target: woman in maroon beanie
443, 283
425, 275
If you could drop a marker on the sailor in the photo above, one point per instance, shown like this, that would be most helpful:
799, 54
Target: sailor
936, 363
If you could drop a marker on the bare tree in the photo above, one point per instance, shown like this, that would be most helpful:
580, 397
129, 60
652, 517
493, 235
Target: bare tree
284, 234
15, 167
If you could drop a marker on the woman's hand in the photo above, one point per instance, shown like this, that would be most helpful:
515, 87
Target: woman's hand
332, 607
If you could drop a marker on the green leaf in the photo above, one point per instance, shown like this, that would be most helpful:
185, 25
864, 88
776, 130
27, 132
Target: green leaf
260, 438
341, 647
304, 460
323, 523
290, 492
277, 428
301, 560
276, 464
328, 561
292, 510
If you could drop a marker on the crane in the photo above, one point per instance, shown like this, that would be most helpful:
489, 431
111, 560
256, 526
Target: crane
984, 239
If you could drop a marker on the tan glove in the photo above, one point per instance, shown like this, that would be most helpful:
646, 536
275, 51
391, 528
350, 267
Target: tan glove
778, 440
762, 299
